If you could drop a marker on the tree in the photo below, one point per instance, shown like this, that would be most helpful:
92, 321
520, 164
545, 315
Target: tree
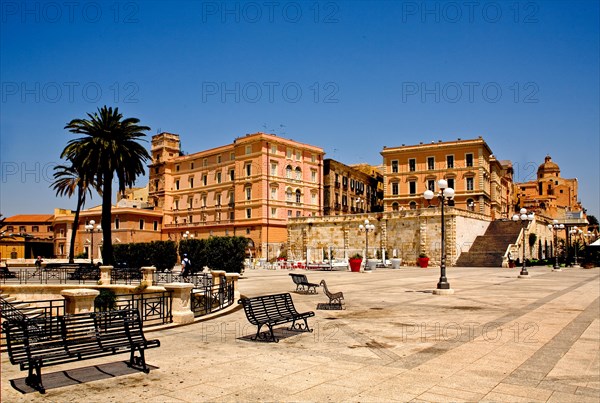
109, 148
68, 181
592, 220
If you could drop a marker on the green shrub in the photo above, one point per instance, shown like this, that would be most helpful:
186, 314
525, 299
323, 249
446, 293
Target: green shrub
105, 301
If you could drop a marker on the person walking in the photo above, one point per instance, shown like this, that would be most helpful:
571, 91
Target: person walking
186, 266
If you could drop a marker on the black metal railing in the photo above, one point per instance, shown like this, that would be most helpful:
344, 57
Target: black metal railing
212, 298
125, 275
155, 308
197, 279
62, 275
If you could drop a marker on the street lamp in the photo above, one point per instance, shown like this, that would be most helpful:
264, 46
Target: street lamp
366, 229
555, 227
524, 218
446, 194
91, 229
575, 231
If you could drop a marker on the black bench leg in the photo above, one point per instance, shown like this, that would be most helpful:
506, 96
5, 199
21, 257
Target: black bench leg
35, 379
299, 327
264, 336
136, 362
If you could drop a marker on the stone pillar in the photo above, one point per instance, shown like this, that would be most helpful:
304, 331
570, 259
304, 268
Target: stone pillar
182, 305
148, 276
218, 276
79, 300
233, 277
105, 272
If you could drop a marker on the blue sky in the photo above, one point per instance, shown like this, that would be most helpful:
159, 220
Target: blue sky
349, 76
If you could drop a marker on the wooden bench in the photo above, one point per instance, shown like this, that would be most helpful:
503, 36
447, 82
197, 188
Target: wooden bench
302, 284
272, 310
335, 298
41, 342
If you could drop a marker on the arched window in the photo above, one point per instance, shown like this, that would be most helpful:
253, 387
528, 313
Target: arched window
395, 206
298, 173
298, 196
413, 205
288, 172
288, 194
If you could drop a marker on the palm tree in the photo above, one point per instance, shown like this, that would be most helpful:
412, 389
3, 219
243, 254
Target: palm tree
108, 148
67, 181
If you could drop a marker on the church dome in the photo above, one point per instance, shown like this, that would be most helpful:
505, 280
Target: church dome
548, 168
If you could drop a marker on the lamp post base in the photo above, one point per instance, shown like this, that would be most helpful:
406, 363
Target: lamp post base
556, 269
443, 291
524, 276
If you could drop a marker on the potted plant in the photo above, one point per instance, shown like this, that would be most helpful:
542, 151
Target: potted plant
355, 261
423, 260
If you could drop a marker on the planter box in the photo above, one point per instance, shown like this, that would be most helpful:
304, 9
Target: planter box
355, 264
423, 262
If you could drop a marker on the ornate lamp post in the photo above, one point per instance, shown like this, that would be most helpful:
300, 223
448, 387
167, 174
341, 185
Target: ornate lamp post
555, 227
366, 229
444, 195
524, 218
91, 229
577, 232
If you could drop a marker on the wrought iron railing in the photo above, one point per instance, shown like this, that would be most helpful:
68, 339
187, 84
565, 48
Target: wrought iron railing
212, 298
155, 308
125, 275
197, 279
39, 309
51, 276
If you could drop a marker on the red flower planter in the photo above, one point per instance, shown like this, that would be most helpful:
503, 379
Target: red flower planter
423, 262
355, 264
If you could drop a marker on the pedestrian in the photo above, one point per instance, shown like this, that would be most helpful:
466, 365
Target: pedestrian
186, 266
38, 263
511, 262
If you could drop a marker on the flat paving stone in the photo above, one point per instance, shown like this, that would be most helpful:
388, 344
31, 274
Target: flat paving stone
497, 338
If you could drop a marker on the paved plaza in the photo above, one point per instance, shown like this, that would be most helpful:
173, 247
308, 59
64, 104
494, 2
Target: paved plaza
498, 338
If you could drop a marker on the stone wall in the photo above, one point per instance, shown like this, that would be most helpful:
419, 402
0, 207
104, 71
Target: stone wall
403, 234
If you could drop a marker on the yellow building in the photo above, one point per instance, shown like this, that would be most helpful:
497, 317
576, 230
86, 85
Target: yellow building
27, 236
481, 182
249, 188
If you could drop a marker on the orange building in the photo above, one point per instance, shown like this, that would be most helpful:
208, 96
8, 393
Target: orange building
481, 182
549, 194
27, 236
247, 188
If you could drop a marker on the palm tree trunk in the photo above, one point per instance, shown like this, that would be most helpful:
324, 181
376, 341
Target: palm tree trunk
107, 248
80, 198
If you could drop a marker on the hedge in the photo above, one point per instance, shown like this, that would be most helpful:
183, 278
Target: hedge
161, 254
219, 253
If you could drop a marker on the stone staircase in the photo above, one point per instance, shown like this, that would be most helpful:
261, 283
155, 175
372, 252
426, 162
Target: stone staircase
13, 307
489, 248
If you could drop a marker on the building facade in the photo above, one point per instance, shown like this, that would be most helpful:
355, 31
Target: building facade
482, 183
26, 236
250, 187
549, 194
350, 190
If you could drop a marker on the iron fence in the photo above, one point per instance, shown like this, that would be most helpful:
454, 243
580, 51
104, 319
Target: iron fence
60, 275
197, 279
155, 308
210, 298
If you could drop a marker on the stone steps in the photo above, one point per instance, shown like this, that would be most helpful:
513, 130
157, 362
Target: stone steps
488, 249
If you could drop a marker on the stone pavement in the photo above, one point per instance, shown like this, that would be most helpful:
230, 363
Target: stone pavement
498, 338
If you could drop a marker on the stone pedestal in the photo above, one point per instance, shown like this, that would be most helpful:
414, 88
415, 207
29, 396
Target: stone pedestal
233, 277
218, 276
148, 276
182, 306
105, 272
79, 300
448, 291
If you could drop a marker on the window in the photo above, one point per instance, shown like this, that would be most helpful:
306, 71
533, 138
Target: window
248, 150
413, 205
35, 228
395, 206
449, 161
313, 158
204, 179
395, 166
189, 202
288, 172
273, 169
203, 200
273, 193
117, 223
176, 168
232, 156
156, 185
430, 163
288, 153
298, 155
232, 175
450, 183
218, 199
248, 213
351, 184
273, 149
273, 212
192, 165
412, 187
10, 228
231, 197
313, 198
395, 188
176, 204
218, 159
313, 176
412, 165
469, 160
231, 215
190, 218
344, 200
431, 185
248, 169
298, 173
205, 162
218, 216
155, 225
470, 205
141, 224
218, 177
191, 182
177, 184
248, 193
288, 194
289, 213
469, 183
298, 196
298, 213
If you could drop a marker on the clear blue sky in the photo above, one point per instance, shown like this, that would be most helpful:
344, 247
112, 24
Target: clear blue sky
349, 76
